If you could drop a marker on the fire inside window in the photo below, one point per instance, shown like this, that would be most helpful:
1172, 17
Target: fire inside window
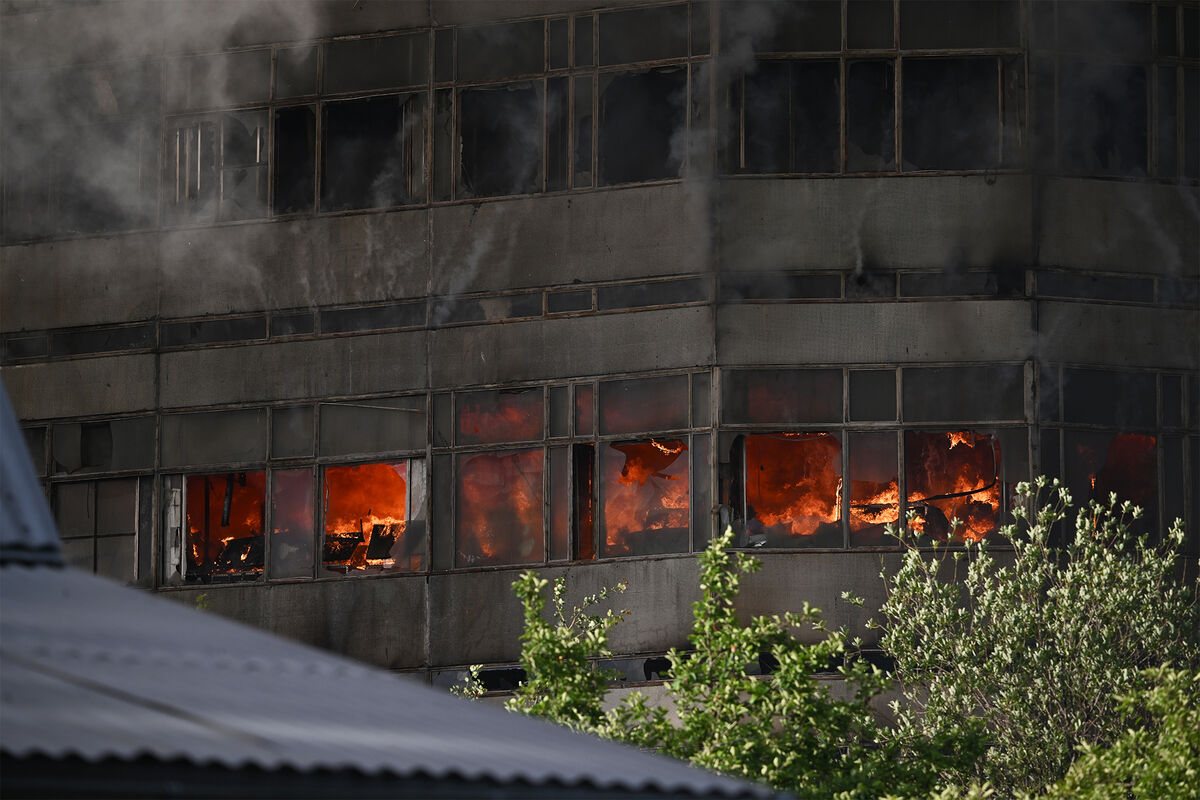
952, 476
644, 498
368, 508
225, 523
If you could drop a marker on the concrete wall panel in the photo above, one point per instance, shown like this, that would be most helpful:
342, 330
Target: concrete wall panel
79, 282
931, 222
474, 617
631, 342
113, 385
856, 333
1120, 226
1120, 336
295, 370
607, 235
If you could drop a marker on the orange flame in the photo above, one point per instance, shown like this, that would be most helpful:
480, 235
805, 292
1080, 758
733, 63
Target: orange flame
364, 502
500, 507
500, 417
207, 537
935, 466
793, 482
644, 488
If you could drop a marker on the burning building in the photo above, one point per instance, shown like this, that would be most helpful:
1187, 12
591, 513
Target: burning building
342, 312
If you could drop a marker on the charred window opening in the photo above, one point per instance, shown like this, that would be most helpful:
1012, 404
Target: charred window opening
793, 486
950, 116
870, 116
644, 498
1124, 464
953, 475
499, 515
874, 488
369, 519
216, 167
501, 140
225, 516
642, 131
790, 118
295, 159
373, 151
1102, 113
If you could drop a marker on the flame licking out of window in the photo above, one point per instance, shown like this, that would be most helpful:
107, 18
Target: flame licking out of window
644, 497
225, 519
366, 519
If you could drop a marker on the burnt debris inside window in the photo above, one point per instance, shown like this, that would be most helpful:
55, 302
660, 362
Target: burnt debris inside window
790, 112
644, 498
368, 515
373, 150
870, 116
225, 523
953, 475
642, 131
501, 140
950, 113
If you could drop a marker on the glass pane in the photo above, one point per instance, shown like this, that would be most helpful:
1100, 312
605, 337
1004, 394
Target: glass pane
500, 416
366, 520
225, 516
295, 71
874, 488
644, 498
583, 409
645, 34
560, 505
292, 523
782, 396
499, 505
793, 490
1125, 464
953, 475
870, 118
648, 404
380, 63
506, 50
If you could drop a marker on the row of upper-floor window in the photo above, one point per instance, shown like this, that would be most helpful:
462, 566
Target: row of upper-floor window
803, 458
353, 124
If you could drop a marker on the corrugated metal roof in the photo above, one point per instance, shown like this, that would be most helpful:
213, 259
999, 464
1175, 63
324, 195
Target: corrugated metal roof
98, 671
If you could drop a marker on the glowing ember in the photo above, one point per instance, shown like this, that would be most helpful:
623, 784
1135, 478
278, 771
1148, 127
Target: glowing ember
225, 524
793, 487
500, 508
644, 497
953, 475
365, 519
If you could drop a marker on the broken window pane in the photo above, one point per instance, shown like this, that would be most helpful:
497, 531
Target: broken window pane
501, 141
373, 150
388, 62
500, 416
292, 505
499, 507
644, 34
874, 488
507, 50
225, 514
367, 515
1102, 118
792, 117
647, 404
295, 159
644, 498
643, 131
870, 116
783, 396
952, 475
793, 490
1126, 464
244, 165
950, 113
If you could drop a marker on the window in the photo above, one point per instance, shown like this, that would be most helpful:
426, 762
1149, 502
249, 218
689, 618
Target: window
642, 130
99, 523
793, 488
644, 490
373, 518
373, 152
214, 527
953, 475
499, 510
215, 167
501, 140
